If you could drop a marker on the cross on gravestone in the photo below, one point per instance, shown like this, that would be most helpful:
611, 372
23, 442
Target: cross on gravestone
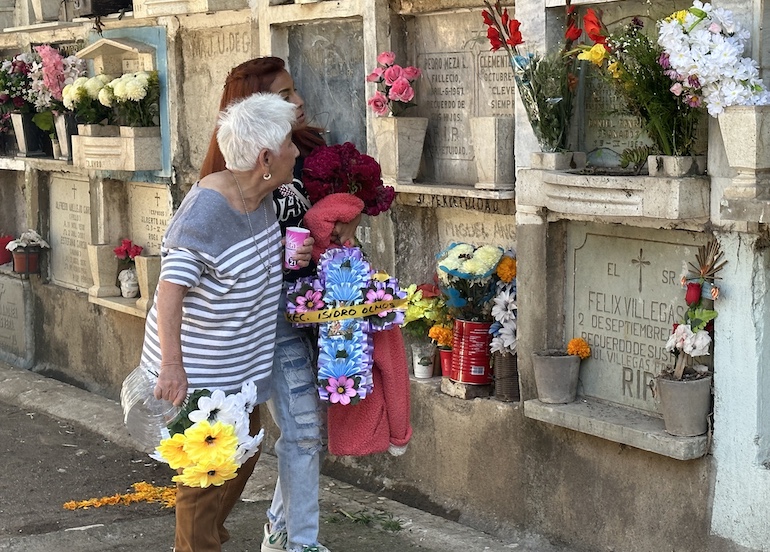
157, 199
642, 262
74, 191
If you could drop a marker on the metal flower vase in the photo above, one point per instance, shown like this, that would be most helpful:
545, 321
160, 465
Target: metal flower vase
66, 127
685, 405
29, 138
399, 143
556, 376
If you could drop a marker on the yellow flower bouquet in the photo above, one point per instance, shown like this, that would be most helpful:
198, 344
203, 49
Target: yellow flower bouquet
209, 439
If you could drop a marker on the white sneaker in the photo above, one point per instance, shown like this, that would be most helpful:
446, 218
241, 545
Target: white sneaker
316, 548
274, 541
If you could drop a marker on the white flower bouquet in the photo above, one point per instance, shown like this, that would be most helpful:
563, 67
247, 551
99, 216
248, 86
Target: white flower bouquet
82, 98
30, 238
703, 55
135, 97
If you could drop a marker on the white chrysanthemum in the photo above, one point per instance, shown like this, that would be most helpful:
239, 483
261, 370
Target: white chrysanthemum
105, 96
104, 78
135, 90
119, 89
93, 86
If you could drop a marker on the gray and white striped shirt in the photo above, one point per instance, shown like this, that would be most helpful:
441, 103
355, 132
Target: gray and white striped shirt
229, 313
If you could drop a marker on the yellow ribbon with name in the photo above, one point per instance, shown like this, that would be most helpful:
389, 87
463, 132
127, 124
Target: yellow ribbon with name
345, 313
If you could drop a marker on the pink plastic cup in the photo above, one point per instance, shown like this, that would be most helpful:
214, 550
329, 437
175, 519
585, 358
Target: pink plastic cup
295, 237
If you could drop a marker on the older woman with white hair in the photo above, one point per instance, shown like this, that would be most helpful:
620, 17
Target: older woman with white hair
213, 322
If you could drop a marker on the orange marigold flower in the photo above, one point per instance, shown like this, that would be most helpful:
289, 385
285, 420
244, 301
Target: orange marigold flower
441, 335
579, 346
506, 269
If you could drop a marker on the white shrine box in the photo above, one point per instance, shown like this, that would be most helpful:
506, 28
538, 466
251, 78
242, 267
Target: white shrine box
128, 149
113, 148
154, 8
115, 56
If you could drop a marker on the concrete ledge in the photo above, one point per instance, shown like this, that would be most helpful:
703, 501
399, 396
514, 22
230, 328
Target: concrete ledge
457, 190
618, 424
122, 304
748, 210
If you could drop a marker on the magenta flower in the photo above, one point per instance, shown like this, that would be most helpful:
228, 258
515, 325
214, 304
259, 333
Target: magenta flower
310, 301
341, 389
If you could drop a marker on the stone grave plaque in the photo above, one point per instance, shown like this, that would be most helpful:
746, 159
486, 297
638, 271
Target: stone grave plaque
476, 228
461, 79
326, 61
150, 213
623, 296
13, 317
217, 50
609, 127
70, 232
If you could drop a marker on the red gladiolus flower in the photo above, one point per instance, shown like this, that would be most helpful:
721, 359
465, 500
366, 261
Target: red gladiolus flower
692, 297
593, 27
573, 33
505, 18
494, 39
514, 36
488, 19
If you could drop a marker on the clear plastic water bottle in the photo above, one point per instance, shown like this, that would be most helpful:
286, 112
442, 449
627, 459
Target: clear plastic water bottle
146, 417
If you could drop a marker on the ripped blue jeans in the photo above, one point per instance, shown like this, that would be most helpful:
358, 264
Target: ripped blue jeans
296, 410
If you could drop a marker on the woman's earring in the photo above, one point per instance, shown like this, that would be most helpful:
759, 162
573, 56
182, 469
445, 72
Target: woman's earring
267, 176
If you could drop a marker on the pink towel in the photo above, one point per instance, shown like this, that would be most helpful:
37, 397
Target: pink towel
321, 218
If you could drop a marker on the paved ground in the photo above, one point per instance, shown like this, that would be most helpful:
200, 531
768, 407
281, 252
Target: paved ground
50, 455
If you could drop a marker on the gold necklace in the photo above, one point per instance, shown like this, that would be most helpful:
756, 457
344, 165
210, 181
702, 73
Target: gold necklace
260, 254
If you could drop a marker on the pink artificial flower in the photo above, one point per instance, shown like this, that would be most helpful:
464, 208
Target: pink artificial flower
677, 89
135, 251
53, 69
411, 73
376, 75
386, 58
310, 301
715, 28
341, 389
379, 103
392, 74
401, 91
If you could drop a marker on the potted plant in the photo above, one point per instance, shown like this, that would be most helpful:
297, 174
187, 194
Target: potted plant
467, 276
50, 74
442, 335
545, 82
639, 71
685, 388
126, 252
5, 254
15, 84
503, 330
26, 252
130, 101
399, 139
557, 371
418, 318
